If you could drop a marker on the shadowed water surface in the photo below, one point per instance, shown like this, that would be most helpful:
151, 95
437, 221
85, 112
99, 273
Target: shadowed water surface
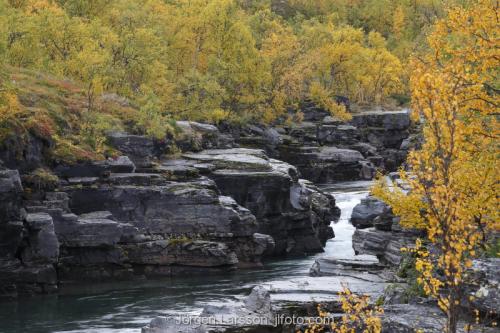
126, 307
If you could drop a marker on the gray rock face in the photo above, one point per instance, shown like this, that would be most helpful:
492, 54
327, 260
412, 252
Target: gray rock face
96, 168
28, 154
385, 245
130, 224
120, 164
171, 208
140, 149
483, 284
11, 235
337, 134
10, 213
378, 231
43, 243
213, 230
387, 120
317, 145
294, 213
33, 241
407, 318
89, 232
329, 164
364, 213
184, 252
264, 244
10, 195
109, 222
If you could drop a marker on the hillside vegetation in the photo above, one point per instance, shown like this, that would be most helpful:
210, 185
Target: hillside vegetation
73, 69
220, 59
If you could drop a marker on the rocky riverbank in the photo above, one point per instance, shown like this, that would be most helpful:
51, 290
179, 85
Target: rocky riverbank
224, 202
325, 150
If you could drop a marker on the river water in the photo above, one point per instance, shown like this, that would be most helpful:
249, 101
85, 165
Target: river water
126, 307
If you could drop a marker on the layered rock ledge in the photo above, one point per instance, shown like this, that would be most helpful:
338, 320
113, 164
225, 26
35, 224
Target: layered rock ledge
146, 215
326, 150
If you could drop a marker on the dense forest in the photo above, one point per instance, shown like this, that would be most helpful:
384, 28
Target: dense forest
205, 60
214, 60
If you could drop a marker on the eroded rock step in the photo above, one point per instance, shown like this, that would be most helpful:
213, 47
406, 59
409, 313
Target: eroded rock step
108, 221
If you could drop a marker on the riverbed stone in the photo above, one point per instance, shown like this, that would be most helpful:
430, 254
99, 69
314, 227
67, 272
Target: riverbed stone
339, 266
169, 325
364, 213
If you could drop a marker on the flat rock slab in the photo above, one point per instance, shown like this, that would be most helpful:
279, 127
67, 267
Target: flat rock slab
231, 159
408, 318
337, 266
325, 288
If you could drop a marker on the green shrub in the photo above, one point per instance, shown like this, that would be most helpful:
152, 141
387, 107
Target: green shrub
41, 179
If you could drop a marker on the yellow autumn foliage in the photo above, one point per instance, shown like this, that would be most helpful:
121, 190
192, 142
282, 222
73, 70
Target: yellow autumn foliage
202, 59
453, 178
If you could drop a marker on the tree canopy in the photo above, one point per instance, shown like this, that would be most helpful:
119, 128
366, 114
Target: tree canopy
453, 178
213, 60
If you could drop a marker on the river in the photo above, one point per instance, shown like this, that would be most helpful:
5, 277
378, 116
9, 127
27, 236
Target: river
126, 307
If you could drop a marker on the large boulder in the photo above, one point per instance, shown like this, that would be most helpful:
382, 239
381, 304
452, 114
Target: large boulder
172, 325
364, 213
386, 245
140, 149
255, 310
253, 314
